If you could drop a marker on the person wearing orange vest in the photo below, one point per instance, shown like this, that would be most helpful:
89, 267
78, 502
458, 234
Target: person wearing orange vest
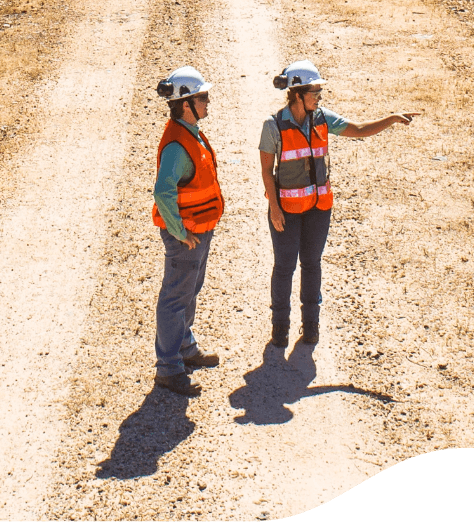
299, 191
188, 205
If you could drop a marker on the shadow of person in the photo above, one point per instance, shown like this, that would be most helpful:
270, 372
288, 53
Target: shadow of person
158, 426
273, 384
278, 382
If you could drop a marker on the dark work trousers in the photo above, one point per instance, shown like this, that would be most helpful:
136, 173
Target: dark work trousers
182, 280
304, 235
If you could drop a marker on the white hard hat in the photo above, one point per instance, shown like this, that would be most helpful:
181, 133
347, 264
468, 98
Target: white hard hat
298, 74
182, 83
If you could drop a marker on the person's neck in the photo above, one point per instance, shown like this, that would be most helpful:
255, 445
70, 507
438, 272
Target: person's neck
190, 119
299, 114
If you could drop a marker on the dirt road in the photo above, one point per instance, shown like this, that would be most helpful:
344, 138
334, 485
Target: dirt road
84, 433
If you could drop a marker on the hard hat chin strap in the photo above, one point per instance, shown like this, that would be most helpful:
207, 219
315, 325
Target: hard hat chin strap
307, 111
193, 109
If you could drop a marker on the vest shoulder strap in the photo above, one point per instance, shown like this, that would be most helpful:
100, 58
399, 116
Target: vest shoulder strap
319, 118
208, 147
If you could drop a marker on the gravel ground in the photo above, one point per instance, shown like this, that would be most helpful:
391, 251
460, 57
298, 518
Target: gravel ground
274, 433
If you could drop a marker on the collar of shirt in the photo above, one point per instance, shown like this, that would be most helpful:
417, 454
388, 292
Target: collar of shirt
193, 128
288, 115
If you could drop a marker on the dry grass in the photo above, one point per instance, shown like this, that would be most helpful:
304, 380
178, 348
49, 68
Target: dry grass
30, 38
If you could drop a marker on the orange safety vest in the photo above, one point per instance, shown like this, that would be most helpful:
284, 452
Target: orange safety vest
200, 201
302, 178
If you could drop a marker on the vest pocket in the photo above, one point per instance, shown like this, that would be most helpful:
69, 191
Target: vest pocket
198, 204
205, 210
325, 197
298, 205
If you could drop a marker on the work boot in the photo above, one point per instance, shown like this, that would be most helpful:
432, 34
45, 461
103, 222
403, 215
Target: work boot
310, 332
280, 335
180, 383
202, 358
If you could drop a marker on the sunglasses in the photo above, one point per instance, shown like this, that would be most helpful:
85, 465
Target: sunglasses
204, 98
315, 93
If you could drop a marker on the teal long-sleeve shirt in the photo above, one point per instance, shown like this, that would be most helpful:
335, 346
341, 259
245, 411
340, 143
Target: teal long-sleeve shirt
175, 166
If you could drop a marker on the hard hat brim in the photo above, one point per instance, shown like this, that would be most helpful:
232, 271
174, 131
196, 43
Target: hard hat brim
204, 88
313, 82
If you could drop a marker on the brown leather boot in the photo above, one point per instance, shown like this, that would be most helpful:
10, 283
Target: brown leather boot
310, 333
280, 334
202, 358
180, 383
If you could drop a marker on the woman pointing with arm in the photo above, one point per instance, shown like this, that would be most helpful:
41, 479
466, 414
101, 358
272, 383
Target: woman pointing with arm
299, 192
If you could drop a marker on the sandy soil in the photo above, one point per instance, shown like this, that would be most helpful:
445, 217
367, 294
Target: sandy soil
84, 433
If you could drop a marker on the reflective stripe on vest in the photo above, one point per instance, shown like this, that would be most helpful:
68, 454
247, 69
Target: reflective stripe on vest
293, 167
306, 191
289, 155
200, 201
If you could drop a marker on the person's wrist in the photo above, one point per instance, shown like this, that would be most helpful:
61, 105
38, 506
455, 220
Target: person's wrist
182, 235
273, 203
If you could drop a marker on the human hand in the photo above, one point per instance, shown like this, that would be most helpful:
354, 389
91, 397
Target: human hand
405, 117
278, 218
191, 240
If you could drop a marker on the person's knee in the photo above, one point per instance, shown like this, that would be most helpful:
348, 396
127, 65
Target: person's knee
284, 269
311, 265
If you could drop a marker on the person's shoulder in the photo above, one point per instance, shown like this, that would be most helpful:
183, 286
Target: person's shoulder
173, 145
329, 112
270, 125
172, 150
269, 119
322, 110
336, 123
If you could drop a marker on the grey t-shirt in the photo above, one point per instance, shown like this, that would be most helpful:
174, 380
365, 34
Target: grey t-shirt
270, 141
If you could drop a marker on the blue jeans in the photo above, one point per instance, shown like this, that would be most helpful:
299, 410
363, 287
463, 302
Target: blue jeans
182, 280
304, 235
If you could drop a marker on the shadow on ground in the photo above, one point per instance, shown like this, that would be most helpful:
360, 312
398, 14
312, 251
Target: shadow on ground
278, 382
159, 425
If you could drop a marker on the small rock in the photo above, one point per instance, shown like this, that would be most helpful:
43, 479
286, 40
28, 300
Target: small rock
202, 486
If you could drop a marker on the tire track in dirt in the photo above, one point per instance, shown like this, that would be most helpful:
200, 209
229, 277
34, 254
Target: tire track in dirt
51, 238
298, 449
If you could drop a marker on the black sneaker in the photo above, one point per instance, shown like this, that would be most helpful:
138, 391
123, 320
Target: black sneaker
310, 333
280, 335
180, 383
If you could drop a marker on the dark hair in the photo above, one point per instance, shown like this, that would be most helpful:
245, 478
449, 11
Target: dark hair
176, 108
292, 94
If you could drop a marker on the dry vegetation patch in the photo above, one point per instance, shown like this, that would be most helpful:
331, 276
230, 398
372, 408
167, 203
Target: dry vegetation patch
463, 10
32, 34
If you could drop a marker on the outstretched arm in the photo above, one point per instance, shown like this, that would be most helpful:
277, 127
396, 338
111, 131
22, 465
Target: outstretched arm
370, 128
